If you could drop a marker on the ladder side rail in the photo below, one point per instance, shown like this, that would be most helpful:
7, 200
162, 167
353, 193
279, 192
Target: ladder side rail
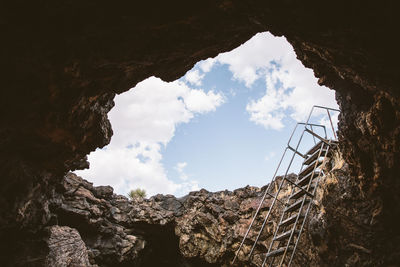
333, 109
251, 224
306, 124
300, 210
293, 228
259, 206
284, 178
287, 170
304, 197
292, 231
295, 150
264, 223
329, 116
266, 218
297, 218
301, 168
324, 141
281, 184
272, 205
284, 227
326, 135
313, 124
297, 179
330, 120
276, 232
315, 142
312, 176
309, 206
291, 135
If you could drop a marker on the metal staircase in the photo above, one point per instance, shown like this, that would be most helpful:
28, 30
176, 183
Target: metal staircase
297, 205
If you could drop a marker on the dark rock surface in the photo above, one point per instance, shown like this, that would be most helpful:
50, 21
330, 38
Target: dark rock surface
342, 229
200, 229
66, 248
62, 64
205, 228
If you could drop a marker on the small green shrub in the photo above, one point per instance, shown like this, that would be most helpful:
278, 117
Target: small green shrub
137, 193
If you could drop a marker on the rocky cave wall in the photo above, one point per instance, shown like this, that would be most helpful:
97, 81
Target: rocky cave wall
62, 64
199, 229
98, 228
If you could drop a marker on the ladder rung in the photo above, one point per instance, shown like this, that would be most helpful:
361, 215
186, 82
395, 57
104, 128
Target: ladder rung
285, 235
280, 201
314, 156
296, 205
278, 251
318, 136
306, 178
310, 168
290, 220
296, 151
314, 148
301, 193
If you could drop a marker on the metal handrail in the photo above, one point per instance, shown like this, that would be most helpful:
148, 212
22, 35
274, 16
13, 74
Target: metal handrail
259, 207
309, 206
301, 207
266, 193
329, 116
295, 152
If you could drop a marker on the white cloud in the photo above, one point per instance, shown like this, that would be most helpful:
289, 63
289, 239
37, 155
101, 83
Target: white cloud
194, 77
180, 166
290, 87
207, 65
248, 61
200, 102
144, 120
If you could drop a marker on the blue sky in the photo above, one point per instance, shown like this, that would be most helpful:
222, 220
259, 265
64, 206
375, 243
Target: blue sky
223, 125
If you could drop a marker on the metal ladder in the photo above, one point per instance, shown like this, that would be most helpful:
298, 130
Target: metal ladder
296, 207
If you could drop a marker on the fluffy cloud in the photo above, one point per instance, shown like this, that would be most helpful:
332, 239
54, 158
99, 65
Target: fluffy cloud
144, 120
194, 77
249, 61
180, 166
207, 65
291, 89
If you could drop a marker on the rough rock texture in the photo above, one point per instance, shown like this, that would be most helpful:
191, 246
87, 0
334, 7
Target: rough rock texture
66, 248
205, 229
200, 229
342, 230
62, 64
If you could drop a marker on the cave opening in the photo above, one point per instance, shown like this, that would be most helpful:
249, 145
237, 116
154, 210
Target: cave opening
221, 126
64, 63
